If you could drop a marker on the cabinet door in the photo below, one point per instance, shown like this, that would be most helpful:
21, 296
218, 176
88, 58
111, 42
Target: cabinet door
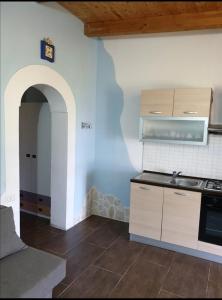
157, 102
181, 213
146, 203
192, 102
210, 248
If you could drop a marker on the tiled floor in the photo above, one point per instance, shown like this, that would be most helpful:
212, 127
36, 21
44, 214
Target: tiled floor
102, 262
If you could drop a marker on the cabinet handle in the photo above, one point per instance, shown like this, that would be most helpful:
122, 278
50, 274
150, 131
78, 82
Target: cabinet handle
156, 112
144, 188
180, 194
190, 112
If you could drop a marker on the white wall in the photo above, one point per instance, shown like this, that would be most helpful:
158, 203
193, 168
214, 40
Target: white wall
170, 60
189, 59
177, 60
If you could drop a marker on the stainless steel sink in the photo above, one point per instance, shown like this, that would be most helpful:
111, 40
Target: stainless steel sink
187, 182
154, 177
167, 179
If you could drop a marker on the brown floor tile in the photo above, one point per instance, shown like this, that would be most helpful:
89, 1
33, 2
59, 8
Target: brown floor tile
142, 280
72, 292
215, 272
154, 272
52, 229
79, 258
121, 227
94, 222
30, 222
119, 256
165, 294
107, 234
38, 236
93, 283
187, 277
68, 240
214, 289
157, 255
58, 290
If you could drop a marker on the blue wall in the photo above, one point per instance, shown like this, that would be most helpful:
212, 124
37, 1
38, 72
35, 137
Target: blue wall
23, 25
101, 155
113, 168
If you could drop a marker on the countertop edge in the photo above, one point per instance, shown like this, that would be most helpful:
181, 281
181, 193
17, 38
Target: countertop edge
199, 189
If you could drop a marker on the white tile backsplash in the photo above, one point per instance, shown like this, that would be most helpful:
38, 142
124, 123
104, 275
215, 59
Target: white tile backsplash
200, 161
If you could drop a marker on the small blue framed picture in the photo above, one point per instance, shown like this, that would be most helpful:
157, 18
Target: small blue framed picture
47, 51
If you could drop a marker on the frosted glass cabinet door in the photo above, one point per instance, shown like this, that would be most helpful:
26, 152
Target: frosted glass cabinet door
178, 130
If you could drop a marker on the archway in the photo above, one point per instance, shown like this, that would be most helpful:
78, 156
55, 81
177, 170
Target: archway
63, 116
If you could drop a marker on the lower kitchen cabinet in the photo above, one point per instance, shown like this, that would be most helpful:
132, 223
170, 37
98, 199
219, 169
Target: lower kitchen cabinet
165, 214
181, 213
211, 248
146, 203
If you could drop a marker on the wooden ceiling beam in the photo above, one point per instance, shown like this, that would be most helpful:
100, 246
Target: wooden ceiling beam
158, 24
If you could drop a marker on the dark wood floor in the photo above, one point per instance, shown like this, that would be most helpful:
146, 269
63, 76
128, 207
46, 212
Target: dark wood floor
102, 262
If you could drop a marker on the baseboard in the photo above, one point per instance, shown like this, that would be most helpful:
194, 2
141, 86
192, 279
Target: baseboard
173, 247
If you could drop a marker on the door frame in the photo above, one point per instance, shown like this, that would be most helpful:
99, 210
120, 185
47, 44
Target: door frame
63, 112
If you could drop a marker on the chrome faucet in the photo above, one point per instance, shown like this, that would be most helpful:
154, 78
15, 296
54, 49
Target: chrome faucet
174, 176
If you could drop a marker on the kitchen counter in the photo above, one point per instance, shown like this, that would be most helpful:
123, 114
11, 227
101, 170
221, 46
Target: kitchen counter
160, 217
162, 179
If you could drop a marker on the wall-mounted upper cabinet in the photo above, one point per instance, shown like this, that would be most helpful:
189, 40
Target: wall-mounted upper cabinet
190, 102
157, 102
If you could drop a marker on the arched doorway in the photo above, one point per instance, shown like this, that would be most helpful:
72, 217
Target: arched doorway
63, 118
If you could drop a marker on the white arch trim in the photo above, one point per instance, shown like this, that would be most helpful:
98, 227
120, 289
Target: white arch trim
62, 212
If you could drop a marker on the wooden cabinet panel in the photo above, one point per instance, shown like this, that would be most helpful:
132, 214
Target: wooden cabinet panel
43, 210
146, 210
29, 206
35, 203
192, 102
157, 102
181, 212
210, 248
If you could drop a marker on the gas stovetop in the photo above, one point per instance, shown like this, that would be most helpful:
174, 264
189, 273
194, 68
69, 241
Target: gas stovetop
213, 185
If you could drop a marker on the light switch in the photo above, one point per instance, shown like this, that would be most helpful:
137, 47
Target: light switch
86, 125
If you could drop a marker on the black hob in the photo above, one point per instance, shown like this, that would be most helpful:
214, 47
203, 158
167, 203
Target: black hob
213, 185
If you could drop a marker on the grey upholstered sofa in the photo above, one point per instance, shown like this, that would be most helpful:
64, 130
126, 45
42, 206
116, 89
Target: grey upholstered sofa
25, 272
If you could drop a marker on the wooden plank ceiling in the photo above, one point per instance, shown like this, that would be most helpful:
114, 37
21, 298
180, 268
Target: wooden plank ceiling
111, 18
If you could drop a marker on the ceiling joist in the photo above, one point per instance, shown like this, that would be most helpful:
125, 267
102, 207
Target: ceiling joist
168, 23
105, 19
